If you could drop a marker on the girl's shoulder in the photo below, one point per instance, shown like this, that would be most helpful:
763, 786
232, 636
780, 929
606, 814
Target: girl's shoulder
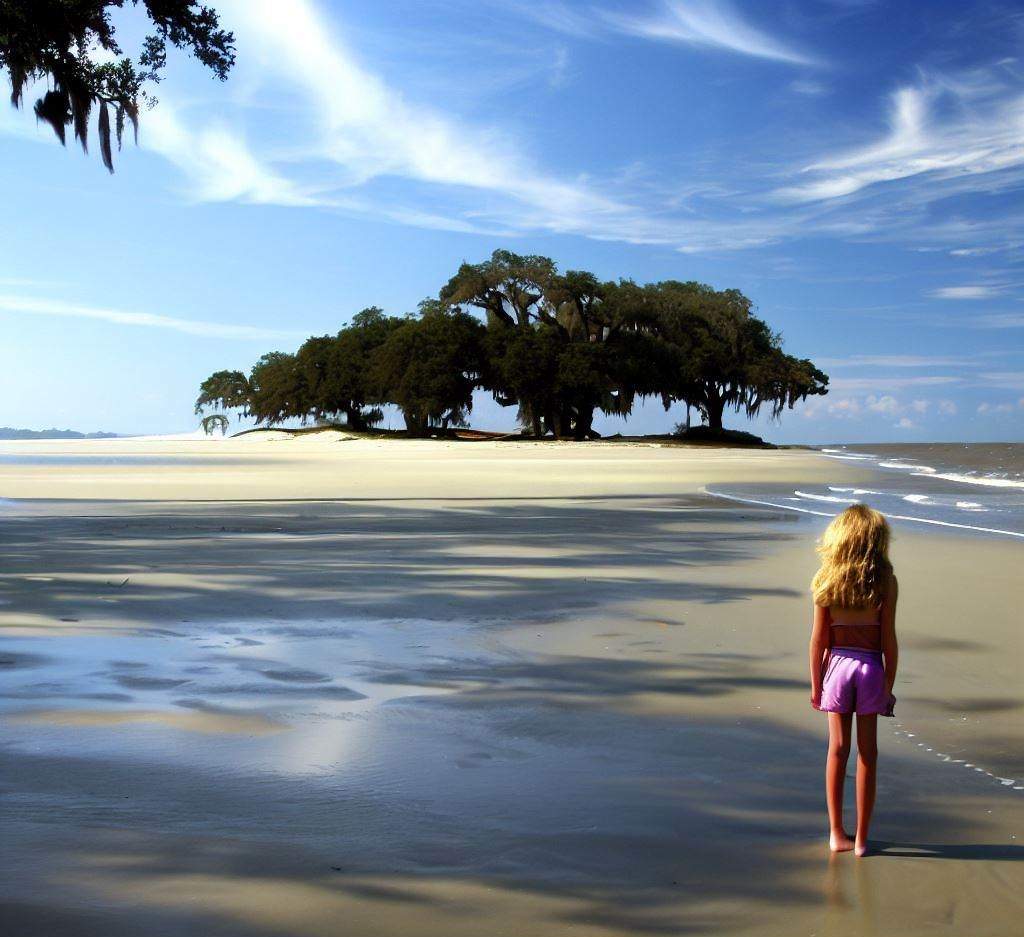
891, 587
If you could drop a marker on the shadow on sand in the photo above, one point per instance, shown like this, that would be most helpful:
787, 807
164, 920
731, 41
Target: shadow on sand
999, 852
529, 798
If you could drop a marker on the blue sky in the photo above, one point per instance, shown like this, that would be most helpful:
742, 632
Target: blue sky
855, 167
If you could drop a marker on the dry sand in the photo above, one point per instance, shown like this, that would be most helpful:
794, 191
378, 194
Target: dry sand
320, 686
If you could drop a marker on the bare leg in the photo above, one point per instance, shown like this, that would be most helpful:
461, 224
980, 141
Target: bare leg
840, 727
867, 770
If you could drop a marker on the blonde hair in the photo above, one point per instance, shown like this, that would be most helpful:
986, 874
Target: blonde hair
855, 568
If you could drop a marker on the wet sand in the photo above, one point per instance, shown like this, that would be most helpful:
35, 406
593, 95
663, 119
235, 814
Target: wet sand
454, 689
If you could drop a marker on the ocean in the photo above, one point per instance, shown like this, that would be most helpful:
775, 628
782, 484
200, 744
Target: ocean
974, 487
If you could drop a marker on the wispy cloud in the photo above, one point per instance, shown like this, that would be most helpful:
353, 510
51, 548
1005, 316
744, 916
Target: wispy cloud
361, 135
1004, 380
31, 306
945, 126
972, 291
997, 320
983, 251
561, 17
331, 133
710, 24
369, 133
809, 87
872, 384
218, 161
890, 361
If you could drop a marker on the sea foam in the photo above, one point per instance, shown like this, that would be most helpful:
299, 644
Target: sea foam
829, 498
988, 481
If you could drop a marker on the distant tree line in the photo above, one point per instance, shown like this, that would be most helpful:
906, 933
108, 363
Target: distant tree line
559, 346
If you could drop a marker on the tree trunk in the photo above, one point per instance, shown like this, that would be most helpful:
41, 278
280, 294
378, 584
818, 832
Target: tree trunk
354, 419
553, 423
584, 422
535, 421
415, 424
565, 415
714, 408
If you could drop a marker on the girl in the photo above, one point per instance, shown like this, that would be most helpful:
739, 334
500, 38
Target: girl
853, 656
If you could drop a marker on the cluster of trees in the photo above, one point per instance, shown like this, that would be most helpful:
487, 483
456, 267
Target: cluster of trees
559, 346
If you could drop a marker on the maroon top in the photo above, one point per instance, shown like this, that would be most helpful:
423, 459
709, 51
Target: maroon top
865, 635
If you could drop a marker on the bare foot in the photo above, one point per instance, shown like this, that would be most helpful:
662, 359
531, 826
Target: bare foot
840, 842
861, 849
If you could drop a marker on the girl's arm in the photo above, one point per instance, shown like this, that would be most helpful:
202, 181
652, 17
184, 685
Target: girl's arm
890, 647
817, 651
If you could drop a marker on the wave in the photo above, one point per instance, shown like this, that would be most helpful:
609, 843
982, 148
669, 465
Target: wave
970, 506
917, 499
922, 471
847, 453
988, 481
829, 498
854, 491
899, 517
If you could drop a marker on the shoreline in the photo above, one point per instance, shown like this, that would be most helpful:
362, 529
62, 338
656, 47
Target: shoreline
898, 517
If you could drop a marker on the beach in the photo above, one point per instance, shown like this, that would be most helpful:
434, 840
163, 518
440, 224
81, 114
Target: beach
313, 685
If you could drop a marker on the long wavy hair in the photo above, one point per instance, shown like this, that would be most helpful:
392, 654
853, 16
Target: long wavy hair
855, 568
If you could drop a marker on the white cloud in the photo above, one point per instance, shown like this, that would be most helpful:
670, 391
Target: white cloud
314, 125
808, 87
986, 407
561, 17
889, 361
1005, 380
998, 320
709, 24
23, 305
370, 131
872, 406
872, 384
219, 162
982, 251
844, 406
367, 133
883, 404
973, 291
949, 127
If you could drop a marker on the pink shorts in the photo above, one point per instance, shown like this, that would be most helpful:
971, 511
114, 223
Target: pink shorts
855, 683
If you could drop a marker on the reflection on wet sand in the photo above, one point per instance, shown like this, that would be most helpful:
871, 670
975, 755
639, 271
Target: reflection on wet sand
199, 720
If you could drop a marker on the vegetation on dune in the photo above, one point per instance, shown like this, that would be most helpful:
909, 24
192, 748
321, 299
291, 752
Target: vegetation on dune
71, 45
559, 346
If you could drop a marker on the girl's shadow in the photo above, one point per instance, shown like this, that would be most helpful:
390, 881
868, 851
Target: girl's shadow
990, 853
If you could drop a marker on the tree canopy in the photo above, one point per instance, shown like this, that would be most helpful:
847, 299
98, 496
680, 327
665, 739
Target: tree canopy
559, 346
71, 44
429, 367
336, 370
